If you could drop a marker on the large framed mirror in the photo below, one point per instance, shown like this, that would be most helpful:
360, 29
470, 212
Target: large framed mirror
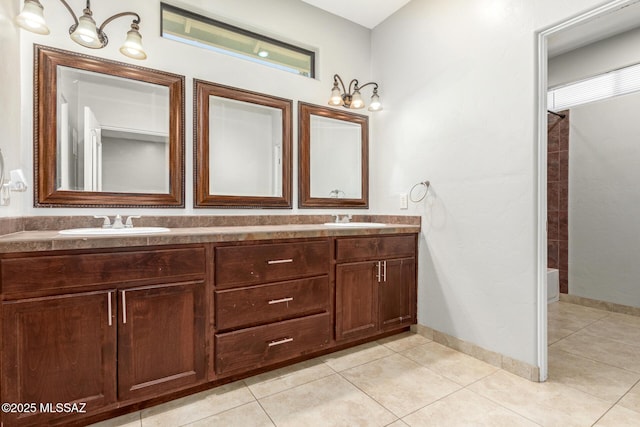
106, 133
243, 148
333, 158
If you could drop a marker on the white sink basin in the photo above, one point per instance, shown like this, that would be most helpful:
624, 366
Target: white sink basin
112, 231
355, 224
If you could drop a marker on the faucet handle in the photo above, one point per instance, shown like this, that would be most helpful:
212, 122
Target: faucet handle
129, 222
117, 222
106, 223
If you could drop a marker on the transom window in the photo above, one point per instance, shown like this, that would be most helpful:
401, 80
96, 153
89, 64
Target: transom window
197, 30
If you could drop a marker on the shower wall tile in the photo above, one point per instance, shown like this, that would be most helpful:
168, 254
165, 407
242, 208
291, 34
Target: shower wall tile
558, 196
553, 166
553, 254
553, 221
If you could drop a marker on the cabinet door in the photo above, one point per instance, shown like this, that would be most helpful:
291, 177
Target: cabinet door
57, 350
356, 300
161, 338
397, 293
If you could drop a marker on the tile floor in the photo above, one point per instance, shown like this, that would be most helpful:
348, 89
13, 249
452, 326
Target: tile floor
408, 380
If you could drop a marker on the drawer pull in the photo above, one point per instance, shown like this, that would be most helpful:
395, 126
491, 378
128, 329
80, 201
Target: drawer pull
279, 342
280, 301
109, 307
124, 307
280, 261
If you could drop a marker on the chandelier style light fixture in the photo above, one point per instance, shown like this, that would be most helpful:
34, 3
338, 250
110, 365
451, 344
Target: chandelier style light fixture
84, 30
352, 98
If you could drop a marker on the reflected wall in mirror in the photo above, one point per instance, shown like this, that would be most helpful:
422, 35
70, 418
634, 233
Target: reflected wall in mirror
334, 153
243, 148
117, 137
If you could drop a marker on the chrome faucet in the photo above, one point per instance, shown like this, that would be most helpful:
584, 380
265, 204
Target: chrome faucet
345, 218
117, 221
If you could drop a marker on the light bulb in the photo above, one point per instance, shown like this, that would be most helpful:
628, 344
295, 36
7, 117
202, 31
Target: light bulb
356, 100
336, 96
86, 33
132, 46
32, 18
375, 102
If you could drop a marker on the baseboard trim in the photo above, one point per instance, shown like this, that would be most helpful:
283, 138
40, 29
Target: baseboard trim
601, 305
516, 367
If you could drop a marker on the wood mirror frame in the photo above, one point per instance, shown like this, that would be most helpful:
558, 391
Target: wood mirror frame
46, 61
306, 200
203, 198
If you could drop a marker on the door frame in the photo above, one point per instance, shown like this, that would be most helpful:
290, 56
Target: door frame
542, 60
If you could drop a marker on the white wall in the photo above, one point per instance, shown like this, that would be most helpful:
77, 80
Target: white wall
10, 112
343, 47
597, 58
458, 85
604, 202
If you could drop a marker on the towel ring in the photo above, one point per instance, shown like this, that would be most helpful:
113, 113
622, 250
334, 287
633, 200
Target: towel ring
421, 194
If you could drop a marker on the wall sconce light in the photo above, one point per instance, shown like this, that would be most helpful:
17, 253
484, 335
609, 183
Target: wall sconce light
84, 31
352, 98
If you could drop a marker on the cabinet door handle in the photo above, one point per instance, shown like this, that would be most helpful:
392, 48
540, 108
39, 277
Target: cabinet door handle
280, 301
379, 275
385, 271
280, 261
280, 342
124, 307
109, 308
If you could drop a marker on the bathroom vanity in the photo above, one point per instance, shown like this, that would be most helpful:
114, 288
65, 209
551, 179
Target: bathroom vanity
126, 323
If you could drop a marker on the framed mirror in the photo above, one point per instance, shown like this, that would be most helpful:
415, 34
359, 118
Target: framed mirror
106, 133
333, 158
243, 148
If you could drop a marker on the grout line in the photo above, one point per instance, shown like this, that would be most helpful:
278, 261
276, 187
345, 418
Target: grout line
500, 404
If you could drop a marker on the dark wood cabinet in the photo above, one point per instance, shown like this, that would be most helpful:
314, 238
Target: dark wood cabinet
106, 347
376, 295
356, 300
397, 294
161, 338
283, 309
59, 349
122, 328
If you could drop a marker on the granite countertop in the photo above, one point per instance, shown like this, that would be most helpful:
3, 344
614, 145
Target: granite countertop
46, 240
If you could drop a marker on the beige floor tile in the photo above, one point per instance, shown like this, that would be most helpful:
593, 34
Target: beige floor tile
555, 333
632, 399
615, 330
329, 401
571, 316
404, 341
129, 420
465, 408
345, 359
398, 423
399, 384
548, 404
598, 379
456, 366
249, 415
291, 376
193, 408
619, 417
624, 319
616, 353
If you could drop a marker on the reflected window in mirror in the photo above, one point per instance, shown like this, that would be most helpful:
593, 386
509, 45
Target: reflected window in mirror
243, 148
333, 158
118, 138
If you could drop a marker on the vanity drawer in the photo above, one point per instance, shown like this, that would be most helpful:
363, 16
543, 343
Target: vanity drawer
361, 248
252, 264
252, 348
241, 307
65, 272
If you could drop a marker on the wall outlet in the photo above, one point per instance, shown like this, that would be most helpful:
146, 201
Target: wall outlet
404, 201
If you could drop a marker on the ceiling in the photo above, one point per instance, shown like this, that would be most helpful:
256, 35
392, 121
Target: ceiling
370, 13
599, 28
367, 13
